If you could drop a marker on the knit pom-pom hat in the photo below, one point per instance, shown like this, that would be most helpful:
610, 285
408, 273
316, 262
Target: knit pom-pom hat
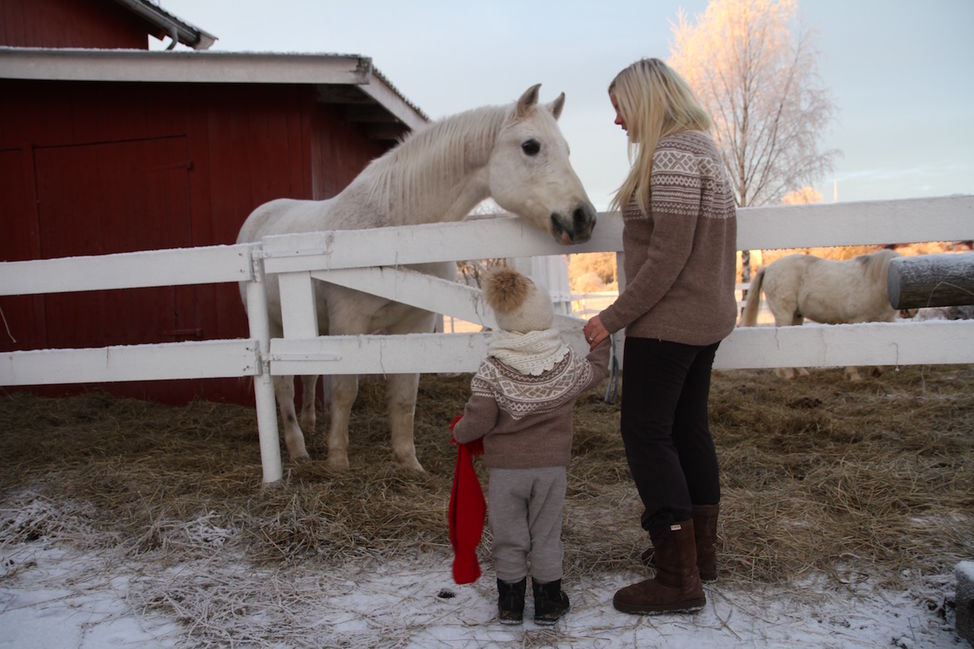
518, 303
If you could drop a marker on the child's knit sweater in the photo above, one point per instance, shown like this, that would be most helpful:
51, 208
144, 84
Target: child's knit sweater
526, 419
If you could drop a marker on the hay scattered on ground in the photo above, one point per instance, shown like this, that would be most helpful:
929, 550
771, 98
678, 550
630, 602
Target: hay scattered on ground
819, 475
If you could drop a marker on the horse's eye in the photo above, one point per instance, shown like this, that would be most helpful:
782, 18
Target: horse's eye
531, 147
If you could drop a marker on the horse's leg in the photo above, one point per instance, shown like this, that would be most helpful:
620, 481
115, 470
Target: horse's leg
293, 437
325, 392
401, 389
788, 373
401, 392
852, 374
308, 384
347, 313
785, 312
800, 371
344, 389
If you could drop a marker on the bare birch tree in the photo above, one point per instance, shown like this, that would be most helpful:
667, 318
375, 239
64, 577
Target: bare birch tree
755, 71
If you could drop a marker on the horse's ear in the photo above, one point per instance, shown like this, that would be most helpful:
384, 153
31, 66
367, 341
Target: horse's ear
556, 106
527, 100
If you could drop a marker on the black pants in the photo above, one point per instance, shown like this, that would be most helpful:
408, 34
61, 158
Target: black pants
666, 429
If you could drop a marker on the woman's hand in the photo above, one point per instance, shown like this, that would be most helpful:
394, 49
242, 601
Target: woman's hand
594, 332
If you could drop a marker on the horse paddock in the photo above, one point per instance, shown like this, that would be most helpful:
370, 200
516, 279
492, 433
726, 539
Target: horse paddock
822, 479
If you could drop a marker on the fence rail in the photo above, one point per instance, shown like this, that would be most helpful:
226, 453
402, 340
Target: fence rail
370, 260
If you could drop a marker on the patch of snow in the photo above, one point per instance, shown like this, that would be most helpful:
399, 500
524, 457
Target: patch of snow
51, 596
44, 605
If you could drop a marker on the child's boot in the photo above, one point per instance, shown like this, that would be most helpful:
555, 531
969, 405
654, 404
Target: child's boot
550, 602
510, 601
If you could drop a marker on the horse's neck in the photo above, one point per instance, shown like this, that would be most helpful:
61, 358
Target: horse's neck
434, 176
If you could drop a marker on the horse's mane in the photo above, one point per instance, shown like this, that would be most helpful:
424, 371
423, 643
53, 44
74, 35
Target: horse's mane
876, 263
427, 158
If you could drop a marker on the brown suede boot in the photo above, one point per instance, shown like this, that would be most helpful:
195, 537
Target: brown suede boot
676, 588
705, 536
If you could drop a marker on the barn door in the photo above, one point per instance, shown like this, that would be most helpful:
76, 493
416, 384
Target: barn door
112, 197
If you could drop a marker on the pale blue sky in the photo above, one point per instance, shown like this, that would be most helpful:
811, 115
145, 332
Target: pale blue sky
900, 71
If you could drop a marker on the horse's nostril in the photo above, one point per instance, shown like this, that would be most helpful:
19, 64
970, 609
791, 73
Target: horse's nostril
580, 218
583, 218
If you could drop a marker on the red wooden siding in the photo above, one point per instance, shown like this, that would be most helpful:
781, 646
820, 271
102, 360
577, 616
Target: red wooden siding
92, 168
340, 151
115, 197
21, 316
71, 23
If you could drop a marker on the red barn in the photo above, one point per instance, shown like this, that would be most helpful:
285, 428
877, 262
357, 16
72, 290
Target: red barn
120, 149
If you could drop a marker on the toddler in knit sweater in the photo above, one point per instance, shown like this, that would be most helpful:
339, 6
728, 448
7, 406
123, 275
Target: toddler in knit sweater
521, 405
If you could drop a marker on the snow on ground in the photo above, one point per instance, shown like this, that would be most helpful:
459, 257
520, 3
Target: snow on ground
42, 604
52, 597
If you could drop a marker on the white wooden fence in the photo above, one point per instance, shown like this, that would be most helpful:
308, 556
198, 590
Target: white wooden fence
370, 260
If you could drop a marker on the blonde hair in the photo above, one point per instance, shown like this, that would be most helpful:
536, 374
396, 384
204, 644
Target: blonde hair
654, 101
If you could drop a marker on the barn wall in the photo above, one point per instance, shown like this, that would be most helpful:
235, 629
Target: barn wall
257, 149
71, 23
340, 150
95, 168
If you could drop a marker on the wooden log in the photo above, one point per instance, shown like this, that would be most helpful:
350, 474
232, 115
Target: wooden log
931, 280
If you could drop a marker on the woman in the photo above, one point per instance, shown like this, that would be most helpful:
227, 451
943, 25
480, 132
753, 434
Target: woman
679, 240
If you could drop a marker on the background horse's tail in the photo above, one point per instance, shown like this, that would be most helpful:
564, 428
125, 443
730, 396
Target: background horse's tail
750, 315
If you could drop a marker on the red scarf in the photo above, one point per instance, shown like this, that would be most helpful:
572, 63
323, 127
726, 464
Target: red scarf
467, 512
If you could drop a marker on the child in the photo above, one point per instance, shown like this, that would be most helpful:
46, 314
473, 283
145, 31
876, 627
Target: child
521, 404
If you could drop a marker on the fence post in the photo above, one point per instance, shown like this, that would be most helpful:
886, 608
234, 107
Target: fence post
270, 448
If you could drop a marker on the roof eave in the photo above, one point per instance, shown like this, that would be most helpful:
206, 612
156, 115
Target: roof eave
177, 29
319, 70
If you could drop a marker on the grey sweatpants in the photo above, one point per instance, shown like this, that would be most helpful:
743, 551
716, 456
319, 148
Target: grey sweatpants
524, 509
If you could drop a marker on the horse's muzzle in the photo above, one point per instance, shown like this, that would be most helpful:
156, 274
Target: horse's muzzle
577, 229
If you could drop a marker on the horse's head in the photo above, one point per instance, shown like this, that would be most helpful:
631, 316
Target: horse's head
530, 175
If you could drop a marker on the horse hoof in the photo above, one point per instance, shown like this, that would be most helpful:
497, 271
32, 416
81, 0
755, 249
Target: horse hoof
338, 463
302, 459
408, 461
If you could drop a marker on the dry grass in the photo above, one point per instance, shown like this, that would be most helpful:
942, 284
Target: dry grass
819, 476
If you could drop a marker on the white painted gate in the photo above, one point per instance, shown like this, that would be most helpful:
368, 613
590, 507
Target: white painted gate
369, 260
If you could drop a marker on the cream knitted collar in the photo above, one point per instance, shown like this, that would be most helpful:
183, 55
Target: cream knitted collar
532, 353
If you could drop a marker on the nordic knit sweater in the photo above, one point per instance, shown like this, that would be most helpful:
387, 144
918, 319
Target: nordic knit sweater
680, 259
525, 420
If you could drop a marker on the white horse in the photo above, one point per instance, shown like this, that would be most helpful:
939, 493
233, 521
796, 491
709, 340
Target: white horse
514, 154
803, 286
